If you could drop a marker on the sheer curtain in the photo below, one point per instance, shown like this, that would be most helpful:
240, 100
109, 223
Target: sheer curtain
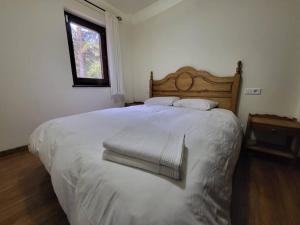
114, 57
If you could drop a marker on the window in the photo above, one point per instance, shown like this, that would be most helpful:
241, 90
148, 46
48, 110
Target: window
88, 53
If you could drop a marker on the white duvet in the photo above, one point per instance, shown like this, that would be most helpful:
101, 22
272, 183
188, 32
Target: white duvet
93, 191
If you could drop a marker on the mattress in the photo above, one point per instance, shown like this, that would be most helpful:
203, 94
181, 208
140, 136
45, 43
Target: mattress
95, 191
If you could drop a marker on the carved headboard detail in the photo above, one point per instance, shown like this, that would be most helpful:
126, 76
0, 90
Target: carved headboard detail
188, 82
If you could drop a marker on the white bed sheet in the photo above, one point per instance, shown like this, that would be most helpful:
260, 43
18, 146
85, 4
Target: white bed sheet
93, 191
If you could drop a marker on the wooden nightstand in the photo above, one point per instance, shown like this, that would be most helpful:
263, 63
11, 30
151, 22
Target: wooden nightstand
133, 103
273, 135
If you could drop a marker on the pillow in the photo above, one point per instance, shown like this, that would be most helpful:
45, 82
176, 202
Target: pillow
161, 101
201, 104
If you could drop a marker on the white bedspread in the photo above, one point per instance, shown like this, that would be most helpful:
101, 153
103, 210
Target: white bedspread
145, 143
93, 191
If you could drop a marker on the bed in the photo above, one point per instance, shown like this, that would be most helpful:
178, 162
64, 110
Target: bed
93, 191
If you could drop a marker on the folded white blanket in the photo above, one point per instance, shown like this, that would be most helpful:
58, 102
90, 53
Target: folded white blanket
147, 147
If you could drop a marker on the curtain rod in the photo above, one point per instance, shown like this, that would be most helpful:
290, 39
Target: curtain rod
98, 7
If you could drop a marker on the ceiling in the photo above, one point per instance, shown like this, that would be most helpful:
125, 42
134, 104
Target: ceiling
130, 6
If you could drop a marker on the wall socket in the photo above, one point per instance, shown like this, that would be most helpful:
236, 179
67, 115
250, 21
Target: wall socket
253, 91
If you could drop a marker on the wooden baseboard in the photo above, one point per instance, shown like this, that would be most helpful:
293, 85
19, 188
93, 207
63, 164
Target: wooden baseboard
14, 150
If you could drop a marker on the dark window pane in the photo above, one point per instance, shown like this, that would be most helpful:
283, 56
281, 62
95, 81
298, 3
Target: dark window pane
88, 53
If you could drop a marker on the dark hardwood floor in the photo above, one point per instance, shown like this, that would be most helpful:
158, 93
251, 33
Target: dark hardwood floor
26, 194
265, 192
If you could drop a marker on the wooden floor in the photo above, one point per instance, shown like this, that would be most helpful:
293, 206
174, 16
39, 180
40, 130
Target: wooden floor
26, 194
265, 193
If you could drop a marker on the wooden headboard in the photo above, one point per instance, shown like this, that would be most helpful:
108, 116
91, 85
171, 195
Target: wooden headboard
188, 82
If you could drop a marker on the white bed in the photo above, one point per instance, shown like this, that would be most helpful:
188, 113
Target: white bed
93, 191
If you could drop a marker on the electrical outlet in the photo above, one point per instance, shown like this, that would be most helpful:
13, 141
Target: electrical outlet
253, 91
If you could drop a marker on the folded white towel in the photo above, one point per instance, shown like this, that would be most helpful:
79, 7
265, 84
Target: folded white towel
141, 164
147, 147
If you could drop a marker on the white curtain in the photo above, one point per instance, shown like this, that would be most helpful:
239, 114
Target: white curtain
114, 56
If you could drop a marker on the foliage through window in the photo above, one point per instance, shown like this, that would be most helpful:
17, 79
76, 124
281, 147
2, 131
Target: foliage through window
88, 53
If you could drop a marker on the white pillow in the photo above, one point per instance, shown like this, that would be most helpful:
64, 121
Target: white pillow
161, 101
201, 104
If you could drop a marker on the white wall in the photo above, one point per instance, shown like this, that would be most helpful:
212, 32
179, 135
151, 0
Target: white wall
297, 72
297, 60
214, 35
35, 72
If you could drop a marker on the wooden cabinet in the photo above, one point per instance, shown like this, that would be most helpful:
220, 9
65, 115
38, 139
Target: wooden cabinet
273, 135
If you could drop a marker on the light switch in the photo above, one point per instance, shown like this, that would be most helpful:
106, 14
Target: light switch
253, 91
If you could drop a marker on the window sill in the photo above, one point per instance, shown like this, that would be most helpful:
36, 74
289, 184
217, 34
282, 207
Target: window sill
105, 86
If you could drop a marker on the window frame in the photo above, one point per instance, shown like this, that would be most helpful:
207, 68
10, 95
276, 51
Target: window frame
87, 82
